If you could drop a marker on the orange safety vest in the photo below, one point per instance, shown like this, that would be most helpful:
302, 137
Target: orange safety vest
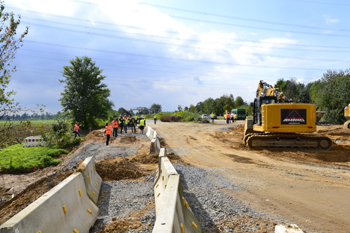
115, 124
76, 128
126, 120
228, 115
108, 130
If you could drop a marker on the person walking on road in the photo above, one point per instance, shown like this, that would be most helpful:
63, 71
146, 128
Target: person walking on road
212, 117
121, 124
142, 125
126, 123
76, 129
132, 125
108, 133
228, 118
155, 119
115, 126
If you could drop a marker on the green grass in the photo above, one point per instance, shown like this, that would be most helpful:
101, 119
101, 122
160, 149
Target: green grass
34, 122
25, 158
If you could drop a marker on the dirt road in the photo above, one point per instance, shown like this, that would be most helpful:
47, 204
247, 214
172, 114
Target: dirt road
309, 188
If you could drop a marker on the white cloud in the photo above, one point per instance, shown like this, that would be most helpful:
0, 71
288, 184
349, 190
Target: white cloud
330, 20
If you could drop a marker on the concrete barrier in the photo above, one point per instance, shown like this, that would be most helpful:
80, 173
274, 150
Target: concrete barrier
172, 211
150, 133
92, 180
292, 228
65, 208
175, 216
161, 180
34, 141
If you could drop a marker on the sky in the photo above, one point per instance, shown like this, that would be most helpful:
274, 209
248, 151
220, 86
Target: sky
177, 52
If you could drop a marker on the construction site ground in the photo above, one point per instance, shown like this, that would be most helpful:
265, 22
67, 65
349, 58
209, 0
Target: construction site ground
229, 187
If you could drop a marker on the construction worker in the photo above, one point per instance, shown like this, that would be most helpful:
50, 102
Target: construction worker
228, 118
108, 133
115, 126
121, 123
132, 125
126, 122
233, 117
155, 119
212, 117
142, 125
135, 120
76, 130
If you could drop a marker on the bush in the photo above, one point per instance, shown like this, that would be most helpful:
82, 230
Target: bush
56, 152
48, 161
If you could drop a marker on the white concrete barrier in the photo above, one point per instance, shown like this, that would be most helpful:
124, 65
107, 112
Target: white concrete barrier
150, 133
65, 208
175, 216
161, 180
172, 211
92, 180
292, 228
34, 141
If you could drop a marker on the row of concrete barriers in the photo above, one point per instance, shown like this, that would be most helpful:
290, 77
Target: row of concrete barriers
173, 213
71, 206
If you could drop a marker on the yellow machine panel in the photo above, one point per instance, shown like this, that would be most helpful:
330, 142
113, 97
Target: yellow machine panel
347, 111
287, 118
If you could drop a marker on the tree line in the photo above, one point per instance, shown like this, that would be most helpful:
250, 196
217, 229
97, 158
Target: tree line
331, 93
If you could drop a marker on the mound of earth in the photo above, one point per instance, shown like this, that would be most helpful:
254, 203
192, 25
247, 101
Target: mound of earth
128, 139
239, 128
145, 157
112, 170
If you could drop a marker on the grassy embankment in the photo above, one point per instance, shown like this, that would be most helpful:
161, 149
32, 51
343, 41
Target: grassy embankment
25, 158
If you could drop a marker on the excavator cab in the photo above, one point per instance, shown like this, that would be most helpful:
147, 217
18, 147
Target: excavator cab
258, 101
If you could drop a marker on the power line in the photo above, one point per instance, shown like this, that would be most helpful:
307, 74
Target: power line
167, 58
259, 28
253, 54
240, 18
166, 43
131, 80
326, 3
170, 32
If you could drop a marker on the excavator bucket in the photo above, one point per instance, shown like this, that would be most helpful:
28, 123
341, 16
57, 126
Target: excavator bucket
248, 127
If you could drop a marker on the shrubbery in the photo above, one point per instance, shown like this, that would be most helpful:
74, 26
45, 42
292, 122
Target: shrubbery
60, 135
183, 116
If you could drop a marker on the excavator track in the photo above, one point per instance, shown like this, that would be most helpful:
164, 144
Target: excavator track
304, 141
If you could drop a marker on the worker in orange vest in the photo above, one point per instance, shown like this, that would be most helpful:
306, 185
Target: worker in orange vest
115, 126
108, 133
76, 130
228, 117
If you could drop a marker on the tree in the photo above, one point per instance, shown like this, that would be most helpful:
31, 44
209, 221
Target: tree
84, 95
179, 108
155, 108
8, 48
239, 101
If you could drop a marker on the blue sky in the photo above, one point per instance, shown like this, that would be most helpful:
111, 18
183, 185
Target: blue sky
177, 52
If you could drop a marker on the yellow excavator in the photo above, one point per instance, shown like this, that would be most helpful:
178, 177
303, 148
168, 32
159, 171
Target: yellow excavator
347, 115
279, 123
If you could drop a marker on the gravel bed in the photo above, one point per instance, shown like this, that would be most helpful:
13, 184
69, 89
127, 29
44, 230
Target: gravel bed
99, 150
120, 198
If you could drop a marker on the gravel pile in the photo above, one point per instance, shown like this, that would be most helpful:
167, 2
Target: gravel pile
99, 150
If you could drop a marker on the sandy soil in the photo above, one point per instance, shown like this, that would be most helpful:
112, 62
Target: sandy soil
309, 188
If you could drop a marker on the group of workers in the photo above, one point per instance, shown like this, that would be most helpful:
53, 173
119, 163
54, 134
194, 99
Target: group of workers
123, 123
